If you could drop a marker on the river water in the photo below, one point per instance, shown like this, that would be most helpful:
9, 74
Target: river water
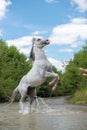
52, 114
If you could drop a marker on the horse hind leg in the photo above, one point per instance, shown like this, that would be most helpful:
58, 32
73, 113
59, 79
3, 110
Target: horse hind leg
55, 86
54, 82
32, 94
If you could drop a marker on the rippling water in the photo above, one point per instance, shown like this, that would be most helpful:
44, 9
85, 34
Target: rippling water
55, 114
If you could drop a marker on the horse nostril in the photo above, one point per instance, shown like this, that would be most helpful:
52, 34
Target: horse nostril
47, 41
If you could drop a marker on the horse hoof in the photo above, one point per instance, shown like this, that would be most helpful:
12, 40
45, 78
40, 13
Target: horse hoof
53, 89
49, 84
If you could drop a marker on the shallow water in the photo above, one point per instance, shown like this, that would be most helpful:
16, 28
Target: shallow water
55, 114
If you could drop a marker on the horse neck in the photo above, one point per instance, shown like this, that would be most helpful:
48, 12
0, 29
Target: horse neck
39, 53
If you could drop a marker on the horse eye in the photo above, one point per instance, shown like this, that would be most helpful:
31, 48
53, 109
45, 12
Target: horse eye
38, 39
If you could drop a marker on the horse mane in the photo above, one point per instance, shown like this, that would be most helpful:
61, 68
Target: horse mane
32, 54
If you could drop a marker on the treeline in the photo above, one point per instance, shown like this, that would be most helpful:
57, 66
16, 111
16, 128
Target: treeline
72, 81
14, 65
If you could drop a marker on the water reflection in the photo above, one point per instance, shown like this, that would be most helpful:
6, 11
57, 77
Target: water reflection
57, 115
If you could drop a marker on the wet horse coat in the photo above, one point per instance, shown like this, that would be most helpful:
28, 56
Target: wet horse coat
40, 71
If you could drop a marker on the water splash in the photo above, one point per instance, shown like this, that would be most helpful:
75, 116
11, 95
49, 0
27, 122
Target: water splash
24, 108
43, 107
40, 102
40, 106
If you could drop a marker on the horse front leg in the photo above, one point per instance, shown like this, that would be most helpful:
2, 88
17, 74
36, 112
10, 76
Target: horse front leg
54, 81
23, 106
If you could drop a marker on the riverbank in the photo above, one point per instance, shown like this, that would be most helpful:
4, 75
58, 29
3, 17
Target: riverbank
79, 97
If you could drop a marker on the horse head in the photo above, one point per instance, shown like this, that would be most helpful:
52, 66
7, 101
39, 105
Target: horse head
39, 43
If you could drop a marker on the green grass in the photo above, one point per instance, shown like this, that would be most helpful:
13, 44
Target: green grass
80, 96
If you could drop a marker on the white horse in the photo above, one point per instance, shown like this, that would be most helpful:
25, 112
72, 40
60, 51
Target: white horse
41, 70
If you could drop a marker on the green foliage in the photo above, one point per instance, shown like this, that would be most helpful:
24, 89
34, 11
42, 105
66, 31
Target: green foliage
80, 96
72, 80
13, 66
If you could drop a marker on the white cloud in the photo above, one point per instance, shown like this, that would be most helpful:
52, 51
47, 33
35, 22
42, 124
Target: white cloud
3, 7
22, 43
79, 21
73, 33
37, 33
75, 45
81, 4
25, 50
56, 63
70, 33
66, 50
51, 1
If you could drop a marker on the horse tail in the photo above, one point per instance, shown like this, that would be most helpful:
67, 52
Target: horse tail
13, 96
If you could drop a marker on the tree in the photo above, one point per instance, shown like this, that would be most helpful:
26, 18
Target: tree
72, 80
13, 66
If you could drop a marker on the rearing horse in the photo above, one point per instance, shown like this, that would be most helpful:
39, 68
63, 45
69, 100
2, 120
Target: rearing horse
41, 70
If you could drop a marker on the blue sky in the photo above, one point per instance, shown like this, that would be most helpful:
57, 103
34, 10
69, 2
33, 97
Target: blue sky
64, 22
